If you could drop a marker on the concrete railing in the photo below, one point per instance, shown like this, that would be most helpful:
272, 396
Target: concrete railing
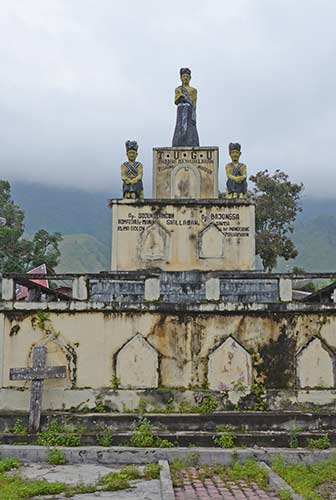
183, 286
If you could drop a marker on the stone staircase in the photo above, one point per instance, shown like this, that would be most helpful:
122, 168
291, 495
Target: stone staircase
247, 429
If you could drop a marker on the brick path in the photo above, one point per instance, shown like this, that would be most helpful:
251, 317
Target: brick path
216, 489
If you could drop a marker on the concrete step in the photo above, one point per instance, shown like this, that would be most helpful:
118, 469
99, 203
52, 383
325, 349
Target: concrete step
173, 422
281, 439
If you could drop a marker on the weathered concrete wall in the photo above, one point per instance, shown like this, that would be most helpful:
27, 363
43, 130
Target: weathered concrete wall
233, 350
182, 235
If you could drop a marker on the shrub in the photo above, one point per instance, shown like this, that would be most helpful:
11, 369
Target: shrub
321, 443
104, 438
226, 439
56, 457
56, 435
152, 471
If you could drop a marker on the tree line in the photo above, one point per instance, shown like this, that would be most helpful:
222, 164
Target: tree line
277, 202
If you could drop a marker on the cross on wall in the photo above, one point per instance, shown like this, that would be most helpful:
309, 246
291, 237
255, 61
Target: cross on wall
37, 374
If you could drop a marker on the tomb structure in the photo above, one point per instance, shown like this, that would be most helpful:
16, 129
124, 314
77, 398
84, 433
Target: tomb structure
182, 315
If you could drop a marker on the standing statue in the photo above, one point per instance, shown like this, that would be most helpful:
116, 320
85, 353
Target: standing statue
185, 99
236, 173
131, 173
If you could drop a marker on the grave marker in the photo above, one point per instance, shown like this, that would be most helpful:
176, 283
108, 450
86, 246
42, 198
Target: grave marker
37, 374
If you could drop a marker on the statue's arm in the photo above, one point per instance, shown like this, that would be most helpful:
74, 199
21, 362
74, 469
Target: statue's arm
124, 177
228, 170
179, 96
195, 98
243, 170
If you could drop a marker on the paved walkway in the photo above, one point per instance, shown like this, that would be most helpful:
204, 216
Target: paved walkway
216, 489
141, 490
86, 474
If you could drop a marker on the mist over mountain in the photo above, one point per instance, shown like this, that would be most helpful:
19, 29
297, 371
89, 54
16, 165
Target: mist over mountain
85, 221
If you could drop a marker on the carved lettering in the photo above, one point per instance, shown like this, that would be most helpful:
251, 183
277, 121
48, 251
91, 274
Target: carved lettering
228, 223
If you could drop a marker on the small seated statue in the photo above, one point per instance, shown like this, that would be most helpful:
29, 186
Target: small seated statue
236, 173
131, 173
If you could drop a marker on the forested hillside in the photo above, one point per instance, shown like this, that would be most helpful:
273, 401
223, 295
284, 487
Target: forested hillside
85, 220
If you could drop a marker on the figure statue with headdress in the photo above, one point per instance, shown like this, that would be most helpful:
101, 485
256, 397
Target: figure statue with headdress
236, 173
185, 99
132, 172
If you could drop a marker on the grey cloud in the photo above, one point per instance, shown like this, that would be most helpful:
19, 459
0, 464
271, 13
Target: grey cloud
79, 77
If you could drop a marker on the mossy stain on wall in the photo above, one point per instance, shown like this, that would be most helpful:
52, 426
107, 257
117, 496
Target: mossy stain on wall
278, 359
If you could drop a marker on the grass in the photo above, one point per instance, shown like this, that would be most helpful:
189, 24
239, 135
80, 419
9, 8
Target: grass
13, 487
306, 480
285, 494
321, 443
58, 435
143, 437
226, 439
7, 464
104, 438
249, 471
16, 488
56, 457
152, 471
19, 428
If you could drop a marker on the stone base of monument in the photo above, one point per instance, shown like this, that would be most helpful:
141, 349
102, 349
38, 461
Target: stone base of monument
185, 172
183, 235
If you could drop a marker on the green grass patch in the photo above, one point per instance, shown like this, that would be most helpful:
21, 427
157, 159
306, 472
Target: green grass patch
226, 439
104, 438
307, 480
58, 435
143, 437
249, 471
321, 443
285, 494
7, 464
152, 471
56, 457
16, 488
19, 428
13, 487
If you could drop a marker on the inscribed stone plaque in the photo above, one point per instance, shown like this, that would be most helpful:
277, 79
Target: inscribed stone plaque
315, 365
229, 365
137, 364
188, 173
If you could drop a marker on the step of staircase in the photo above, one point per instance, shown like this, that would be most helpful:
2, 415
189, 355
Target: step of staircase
238, 421
279, 439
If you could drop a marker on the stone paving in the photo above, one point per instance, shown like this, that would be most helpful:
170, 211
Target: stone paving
216, 489
88, 474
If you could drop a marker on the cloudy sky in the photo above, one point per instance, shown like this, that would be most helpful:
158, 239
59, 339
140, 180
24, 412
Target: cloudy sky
79, 77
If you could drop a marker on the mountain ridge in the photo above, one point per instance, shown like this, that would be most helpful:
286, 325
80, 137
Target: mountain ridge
85, 221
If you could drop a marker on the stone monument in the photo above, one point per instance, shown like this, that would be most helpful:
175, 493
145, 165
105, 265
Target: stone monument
185, 226
236, 173
131, 173
185, 99
186, 170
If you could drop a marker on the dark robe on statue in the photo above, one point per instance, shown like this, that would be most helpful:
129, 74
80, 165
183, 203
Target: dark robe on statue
185, 130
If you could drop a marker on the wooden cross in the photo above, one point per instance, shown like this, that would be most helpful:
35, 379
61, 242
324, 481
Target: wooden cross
37, 374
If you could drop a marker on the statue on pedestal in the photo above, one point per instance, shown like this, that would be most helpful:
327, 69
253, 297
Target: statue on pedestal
236, 173
131, 173
185, 99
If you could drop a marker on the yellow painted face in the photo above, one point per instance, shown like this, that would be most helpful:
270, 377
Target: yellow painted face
185, 78
132, 154
235, 155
